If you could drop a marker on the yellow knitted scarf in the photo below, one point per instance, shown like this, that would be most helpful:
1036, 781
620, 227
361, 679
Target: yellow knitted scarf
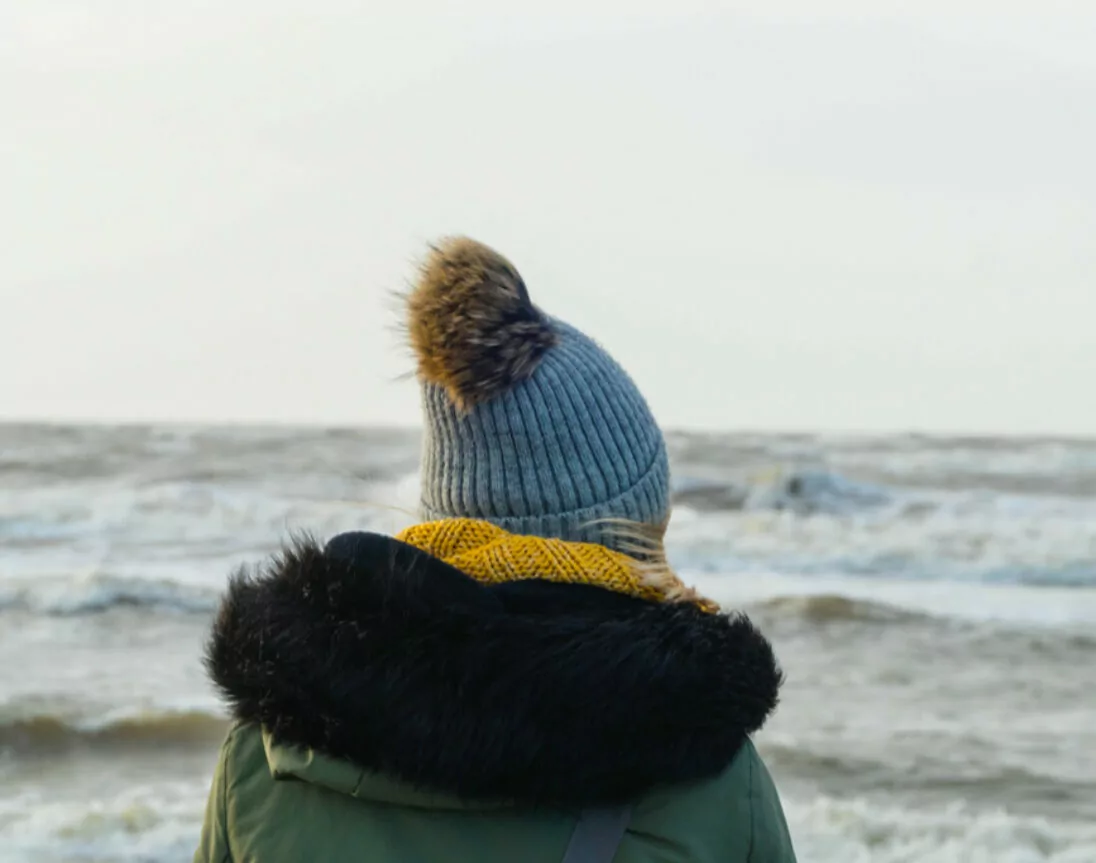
492, 555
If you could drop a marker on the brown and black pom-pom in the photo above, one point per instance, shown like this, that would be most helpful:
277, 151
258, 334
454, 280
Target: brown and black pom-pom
471, 323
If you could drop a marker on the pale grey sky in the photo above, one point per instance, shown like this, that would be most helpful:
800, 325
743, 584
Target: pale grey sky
775, 216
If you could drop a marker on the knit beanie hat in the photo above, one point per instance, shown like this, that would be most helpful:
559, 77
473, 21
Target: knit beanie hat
528, 423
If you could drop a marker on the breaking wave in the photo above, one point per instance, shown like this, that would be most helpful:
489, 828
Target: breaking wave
102, 593
828, 828
52, 734
803, 492
833, 608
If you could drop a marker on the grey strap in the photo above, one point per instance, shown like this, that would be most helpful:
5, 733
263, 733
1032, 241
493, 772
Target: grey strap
597, 835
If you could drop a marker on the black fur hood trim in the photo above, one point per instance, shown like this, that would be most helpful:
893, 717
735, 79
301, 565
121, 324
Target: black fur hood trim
534, 692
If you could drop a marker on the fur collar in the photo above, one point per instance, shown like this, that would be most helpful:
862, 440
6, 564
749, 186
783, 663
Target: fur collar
541, 693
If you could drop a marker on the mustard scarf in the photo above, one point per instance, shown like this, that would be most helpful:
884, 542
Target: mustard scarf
492, 555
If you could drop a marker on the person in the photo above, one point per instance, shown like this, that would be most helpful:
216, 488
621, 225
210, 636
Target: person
521, 677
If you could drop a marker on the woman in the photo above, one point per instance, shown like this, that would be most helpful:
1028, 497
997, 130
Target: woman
521, 677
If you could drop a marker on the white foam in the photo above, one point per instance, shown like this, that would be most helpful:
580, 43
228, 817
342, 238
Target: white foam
1015, 604
100, 592
961, 537
856, 831
151, 822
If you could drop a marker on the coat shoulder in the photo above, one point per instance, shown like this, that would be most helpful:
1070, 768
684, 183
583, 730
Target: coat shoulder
735, 816
215, 843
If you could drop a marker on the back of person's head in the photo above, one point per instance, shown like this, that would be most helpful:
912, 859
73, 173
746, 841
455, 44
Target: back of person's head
528, 423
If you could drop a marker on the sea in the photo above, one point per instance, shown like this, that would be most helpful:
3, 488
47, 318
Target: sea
932, 601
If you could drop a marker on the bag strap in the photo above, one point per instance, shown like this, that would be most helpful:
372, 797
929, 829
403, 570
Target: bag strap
597, 835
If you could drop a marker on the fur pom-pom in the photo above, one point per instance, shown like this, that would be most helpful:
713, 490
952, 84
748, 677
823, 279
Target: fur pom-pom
471, 323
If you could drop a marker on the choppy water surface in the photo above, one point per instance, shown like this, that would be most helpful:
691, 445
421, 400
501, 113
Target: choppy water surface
933, 602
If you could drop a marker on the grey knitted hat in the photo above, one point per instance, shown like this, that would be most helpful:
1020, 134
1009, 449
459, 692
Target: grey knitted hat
528, 423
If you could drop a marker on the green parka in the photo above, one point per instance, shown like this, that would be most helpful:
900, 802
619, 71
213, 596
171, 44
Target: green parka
392, 710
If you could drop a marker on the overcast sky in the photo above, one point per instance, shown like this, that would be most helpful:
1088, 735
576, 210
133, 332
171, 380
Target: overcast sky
774, 216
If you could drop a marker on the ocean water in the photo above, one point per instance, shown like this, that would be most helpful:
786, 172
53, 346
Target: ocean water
933, 602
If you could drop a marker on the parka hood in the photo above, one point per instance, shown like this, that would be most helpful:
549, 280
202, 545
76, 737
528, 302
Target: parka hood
372, 662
